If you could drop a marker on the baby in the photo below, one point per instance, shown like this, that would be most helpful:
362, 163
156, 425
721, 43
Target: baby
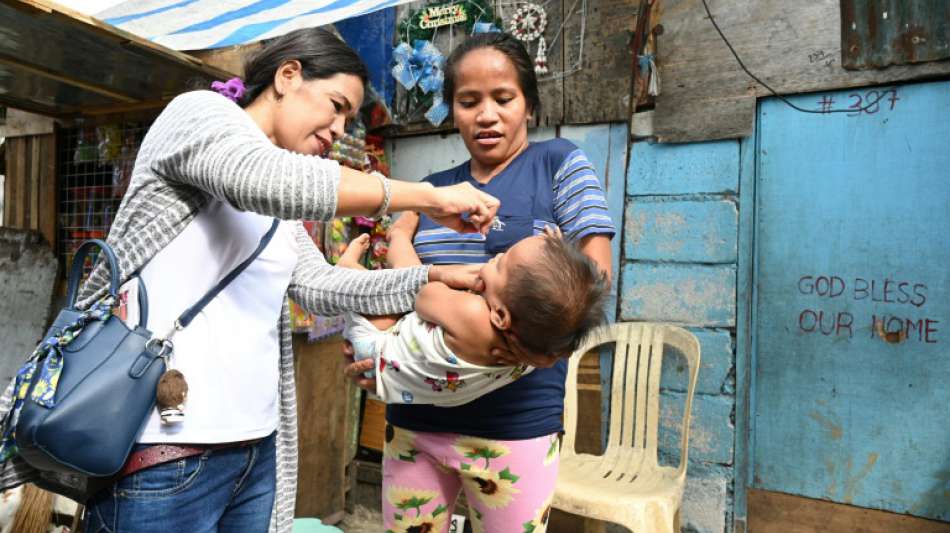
543, 290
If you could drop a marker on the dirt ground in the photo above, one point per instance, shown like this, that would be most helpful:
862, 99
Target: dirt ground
362, 520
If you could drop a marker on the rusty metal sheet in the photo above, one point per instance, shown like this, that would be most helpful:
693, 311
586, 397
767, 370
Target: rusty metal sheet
878, 33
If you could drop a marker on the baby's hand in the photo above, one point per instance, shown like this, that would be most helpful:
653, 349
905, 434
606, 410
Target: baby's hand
355, 370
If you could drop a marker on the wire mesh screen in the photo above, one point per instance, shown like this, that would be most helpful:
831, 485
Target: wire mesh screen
95, 168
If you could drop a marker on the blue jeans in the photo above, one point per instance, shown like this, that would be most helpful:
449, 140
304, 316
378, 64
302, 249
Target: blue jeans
225, 490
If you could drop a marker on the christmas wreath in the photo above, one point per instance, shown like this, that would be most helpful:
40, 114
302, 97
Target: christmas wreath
528, 22
422, 23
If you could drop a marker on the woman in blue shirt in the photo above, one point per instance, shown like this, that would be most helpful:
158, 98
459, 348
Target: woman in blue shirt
501, 448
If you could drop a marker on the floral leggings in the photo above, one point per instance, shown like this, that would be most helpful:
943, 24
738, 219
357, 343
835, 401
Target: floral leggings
508, 483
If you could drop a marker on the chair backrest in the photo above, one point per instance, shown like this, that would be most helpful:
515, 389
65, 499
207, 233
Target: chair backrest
635, 385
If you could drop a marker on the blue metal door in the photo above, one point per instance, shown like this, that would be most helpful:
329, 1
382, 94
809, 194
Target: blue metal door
851, 319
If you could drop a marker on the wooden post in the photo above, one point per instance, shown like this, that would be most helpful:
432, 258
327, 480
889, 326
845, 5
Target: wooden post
30, 186
323, 396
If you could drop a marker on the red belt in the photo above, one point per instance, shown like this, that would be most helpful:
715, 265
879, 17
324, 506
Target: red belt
163, 453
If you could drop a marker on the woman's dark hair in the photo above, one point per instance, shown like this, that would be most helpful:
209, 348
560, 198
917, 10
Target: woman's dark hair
320, 52
513, 50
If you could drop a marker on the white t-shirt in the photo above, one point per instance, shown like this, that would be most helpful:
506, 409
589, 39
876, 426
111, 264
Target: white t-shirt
230, 352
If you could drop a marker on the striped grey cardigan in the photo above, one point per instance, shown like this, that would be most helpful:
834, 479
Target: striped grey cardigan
204, 146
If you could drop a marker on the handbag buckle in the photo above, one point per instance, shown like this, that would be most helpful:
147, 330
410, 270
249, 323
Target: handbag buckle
160, 347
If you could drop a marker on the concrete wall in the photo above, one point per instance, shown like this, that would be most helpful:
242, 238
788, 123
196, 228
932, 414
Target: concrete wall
679, 265
27, 276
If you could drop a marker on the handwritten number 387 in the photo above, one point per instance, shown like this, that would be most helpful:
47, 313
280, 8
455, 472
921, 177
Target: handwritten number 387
872, 101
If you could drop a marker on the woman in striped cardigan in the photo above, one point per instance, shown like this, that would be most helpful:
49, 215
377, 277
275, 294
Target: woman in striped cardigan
209, 178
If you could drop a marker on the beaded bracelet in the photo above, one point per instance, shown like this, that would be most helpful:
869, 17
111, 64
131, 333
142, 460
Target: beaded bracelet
387, 196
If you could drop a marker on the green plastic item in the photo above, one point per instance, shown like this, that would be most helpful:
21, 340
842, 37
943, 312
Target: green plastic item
313, 525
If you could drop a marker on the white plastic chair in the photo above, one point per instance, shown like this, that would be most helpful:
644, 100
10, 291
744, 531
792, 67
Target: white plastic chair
626, 485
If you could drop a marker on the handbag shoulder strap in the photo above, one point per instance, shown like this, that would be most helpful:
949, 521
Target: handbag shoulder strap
193, 311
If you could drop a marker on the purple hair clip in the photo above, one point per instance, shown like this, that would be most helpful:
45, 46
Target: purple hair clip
232, 89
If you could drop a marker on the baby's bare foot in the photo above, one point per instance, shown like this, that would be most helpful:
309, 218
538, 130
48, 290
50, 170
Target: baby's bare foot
354, 252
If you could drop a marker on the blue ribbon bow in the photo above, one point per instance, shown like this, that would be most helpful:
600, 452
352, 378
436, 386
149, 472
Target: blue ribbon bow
421, 65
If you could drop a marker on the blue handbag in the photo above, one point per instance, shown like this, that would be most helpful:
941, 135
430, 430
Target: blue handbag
83, 398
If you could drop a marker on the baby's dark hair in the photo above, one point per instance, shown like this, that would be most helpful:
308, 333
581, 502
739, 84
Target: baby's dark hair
556, 301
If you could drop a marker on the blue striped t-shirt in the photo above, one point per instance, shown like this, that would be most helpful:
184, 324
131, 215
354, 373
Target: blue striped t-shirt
551, 182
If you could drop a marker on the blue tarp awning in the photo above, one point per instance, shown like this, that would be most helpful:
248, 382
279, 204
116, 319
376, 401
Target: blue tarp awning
203, 24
